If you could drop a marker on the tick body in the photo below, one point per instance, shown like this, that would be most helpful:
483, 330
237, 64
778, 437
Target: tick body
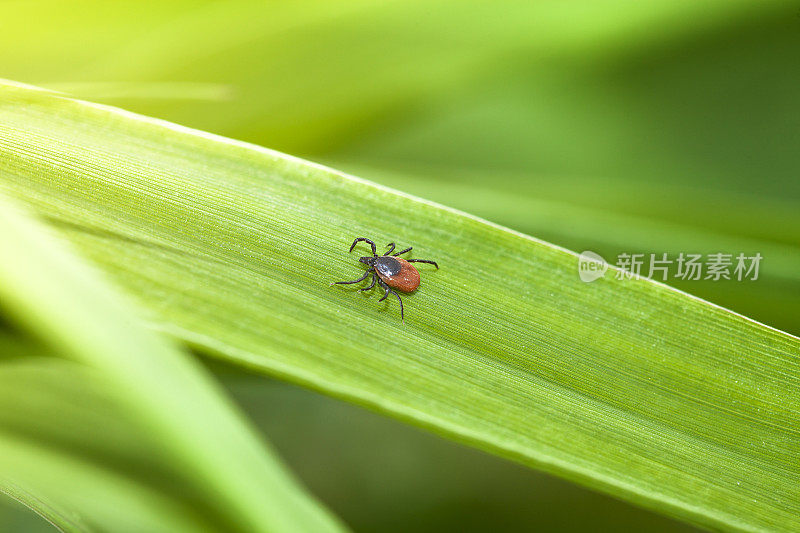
396, 272
391, 272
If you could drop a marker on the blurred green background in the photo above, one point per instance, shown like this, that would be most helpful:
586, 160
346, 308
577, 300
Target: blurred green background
636, 127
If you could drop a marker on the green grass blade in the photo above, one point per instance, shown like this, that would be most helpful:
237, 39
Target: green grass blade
590, 220
205, 469
627, 386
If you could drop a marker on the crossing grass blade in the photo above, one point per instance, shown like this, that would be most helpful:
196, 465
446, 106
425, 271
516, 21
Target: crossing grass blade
626, 386
106, 427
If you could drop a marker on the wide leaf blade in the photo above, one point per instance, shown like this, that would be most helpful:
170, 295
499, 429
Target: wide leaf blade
627, 386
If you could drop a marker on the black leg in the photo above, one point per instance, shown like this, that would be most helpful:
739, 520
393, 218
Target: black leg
389, 290
401, 306
362, 278
404, 251
390, 249
374, 252
368, 287
385, 294
423, 261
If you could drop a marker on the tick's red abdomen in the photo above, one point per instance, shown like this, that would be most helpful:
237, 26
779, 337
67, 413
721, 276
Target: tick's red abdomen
406, 280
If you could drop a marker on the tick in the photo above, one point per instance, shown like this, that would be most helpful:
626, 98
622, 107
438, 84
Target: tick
389, 271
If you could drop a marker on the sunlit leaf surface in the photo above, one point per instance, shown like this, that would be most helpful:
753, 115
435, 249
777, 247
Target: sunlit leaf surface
627, 386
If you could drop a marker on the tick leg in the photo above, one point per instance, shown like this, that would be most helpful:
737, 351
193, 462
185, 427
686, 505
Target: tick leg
401, 306
374, 278
385, 294
423, 261
390, 249
362, 278
389, 290
374, 252
404, 251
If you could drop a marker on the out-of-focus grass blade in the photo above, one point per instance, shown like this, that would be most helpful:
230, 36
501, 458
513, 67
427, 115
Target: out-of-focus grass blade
626, 386
124, 433
318, 76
